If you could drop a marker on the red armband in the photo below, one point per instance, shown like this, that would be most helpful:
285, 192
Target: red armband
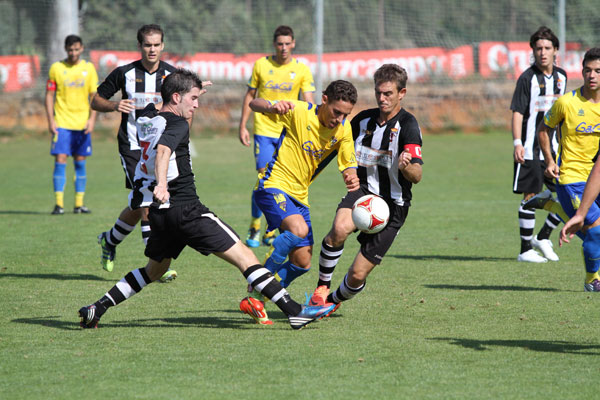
50, 85
414, 150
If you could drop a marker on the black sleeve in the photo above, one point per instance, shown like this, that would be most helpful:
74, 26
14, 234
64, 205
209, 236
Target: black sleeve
411, 134
355, 123
520, 100
175, 132
112, 84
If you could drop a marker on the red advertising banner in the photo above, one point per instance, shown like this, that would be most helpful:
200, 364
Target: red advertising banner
18, 72
421, 63
510, 59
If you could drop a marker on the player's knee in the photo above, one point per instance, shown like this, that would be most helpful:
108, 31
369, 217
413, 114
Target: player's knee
301, 259
155, 269
299, 229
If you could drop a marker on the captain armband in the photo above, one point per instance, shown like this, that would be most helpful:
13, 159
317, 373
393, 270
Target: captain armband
414, 150
50, 85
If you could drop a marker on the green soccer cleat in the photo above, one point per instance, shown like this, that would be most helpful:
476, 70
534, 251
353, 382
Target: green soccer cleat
108, 253
169, 276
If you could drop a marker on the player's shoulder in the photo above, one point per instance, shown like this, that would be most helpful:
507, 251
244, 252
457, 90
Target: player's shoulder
366, 114
560, 70
406, 117
165, 66
528, 74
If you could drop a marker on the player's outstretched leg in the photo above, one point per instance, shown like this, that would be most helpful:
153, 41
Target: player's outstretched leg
526, 226
542, 242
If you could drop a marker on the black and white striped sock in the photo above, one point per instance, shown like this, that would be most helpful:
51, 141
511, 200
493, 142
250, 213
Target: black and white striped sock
344, 292
264, 282
131, 284
526, 227
119, 232
328, 259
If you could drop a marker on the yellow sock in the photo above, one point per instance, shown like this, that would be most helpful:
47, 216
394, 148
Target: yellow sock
591, 276
255, 223
79, 199
556, 208
269, 234
60, 199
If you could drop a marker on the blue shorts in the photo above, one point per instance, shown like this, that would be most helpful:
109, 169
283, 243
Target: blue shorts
71, 142
264, 147
570, 196
277, 205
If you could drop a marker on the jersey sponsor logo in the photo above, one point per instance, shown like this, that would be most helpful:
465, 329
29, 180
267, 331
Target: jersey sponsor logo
279, 87
141, 100
585, 128
147, 129
544, 103
312, 150
76, 83
368, 157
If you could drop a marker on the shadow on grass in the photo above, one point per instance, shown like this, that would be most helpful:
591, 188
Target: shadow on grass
546, 346
493, 287
447, 258
58, 277
22, 212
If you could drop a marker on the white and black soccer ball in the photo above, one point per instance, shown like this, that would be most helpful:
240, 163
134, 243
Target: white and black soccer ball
370, 213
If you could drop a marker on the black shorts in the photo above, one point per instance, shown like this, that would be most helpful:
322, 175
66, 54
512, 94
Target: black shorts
191, 225
129, 160
374, 246
529, 177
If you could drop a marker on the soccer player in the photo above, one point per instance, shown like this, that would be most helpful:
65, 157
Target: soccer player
387, 142
537, 89
577, 114
165, 181
276, 77
313, 137
71, 83
139, 83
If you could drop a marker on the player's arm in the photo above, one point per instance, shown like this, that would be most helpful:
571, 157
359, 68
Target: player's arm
161, 165
351, 179
413, 172
517, 127
243, 131
49, 103
101, 104
309, 97
276, 107
91, 123
543, 133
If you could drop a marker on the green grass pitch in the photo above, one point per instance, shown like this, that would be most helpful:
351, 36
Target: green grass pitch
449, 314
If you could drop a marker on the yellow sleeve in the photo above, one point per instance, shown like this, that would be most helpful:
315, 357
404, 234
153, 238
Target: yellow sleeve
556, 113
254, 80
346, 157
92, 79
52, 72
308, 82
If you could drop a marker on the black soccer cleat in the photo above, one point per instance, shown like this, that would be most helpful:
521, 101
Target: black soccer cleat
88, 317
58, 210
81, 210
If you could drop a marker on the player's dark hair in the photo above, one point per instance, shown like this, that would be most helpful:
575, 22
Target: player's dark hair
71, 40
592, 54
148, 30
544, 33
180, 81
391, 73
283, 30
341, 90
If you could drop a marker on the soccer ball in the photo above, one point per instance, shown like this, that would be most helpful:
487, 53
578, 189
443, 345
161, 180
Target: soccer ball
370, 213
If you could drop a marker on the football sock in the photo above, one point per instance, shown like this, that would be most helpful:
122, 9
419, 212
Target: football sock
555, 208
263, 281
591, 250
59, 178
551, 223
256, 212
79, 199
328, 259
59, 198
255, 223
288, 272
526, 226
591, 277
281, 247
80, 176
145, 225
131, 284
344, 292
118, 232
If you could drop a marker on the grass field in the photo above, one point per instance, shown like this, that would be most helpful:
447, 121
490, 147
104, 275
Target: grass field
449, 314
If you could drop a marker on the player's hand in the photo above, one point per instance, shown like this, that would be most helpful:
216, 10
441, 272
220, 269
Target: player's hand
161, 193
205, 84
519, 154
125, 106
570, 229
52, 129
89, 127
282, 107
244, 136
351, 180
552, 170
404, 159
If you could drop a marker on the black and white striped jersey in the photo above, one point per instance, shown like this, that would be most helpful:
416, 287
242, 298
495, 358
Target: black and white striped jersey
154, 128
378, 148
534, 95
134, 82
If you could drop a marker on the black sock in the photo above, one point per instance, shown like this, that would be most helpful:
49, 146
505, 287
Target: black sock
265, 283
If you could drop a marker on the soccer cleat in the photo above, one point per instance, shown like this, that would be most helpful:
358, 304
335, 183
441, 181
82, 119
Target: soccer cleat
319, 298
308, 314
593, 286
256, 309
168, 276
81, 210
531, 256
546, 247
88, 317
268, 238
539, 201
108, 253
58, 210
253, 237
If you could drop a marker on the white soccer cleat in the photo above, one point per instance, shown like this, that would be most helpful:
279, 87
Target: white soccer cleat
531, 256
546, 247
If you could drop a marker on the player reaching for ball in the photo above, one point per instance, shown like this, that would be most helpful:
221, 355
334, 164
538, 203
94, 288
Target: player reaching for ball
387, 143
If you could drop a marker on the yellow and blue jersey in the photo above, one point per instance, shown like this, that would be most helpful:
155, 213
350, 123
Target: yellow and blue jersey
304, 150
274, 81
578, 125
73, 84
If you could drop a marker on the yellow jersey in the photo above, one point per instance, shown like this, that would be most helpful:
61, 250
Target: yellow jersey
578, 126
274, 81
305, 148
73, 85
